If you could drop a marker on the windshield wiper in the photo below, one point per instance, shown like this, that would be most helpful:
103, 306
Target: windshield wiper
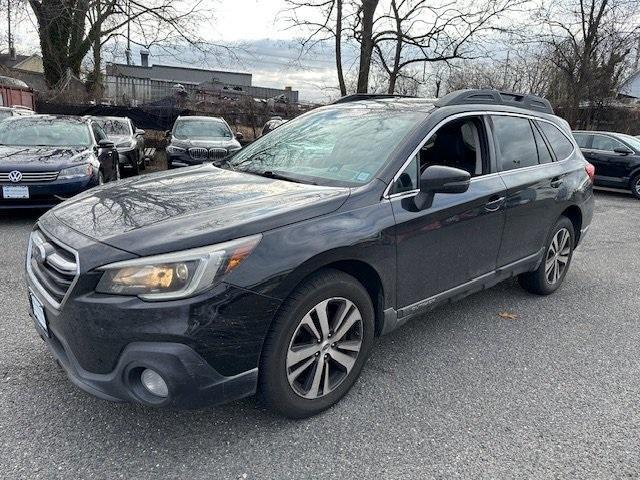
276, 175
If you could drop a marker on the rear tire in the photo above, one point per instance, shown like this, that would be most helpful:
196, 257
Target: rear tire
555, 263
635, 186
317, 345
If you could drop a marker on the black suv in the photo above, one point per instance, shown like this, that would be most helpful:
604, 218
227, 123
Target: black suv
273, 270
615, 156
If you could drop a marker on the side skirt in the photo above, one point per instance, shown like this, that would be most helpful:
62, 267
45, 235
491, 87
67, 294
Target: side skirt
395, 318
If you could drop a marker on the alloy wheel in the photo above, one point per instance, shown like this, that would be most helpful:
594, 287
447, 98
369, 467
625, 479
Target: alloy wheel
324, 347
637, 187
557, 257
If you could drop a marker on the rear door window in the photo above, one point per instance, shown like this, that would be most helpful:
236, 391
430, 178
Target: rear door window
582, 139
560, 144
606, 144
515, 142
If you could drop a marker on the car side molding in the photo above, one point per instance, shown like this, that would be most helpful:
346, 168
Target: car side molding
394, 319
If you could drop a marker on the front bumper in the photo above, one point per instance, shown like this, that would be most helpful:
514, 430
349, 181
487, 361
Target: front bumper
191, 381
49, 194
206, 349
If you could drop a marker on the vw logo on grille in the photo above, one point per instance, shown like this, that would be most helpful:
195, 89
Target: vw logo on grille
15, 176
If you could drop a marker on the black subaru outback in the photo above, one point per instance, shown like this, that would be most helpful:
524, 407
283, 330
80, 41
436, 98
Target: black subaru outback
273, 270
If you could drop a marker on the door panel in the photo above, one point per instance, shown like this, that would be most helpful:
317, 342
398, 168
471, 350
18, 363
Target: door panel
455, 240
531, 209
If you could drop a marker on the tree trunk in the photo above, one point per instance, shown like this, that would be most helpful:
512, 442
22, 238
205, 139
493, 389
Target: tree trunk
341, 82
366, 44
395, 70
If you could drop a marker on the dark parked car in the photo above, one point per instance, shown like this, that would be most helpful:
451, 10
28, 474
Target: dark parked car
128, 139
195, 140
273, 270
616, 157
45, 159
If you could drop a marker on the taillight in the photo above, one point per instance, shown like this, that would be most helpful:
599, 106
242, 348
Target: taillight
591, 171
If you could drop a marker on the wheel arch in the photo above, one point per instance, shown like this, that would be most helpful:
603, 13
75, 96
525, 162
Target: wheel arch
364, 272
574, 214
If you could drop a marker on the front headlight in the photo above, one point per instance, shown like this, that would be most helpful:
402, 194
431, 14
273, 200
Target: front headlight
175, 275
79, 171
174, 149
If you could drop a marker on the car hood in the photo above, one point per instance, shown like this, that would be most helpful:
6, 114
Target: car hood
192, 207
41, 158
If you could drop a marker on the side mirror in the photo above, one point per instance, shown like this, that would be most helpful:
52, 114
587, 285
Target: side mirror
167, 133
440, 179
139, 132
623, 151
239, 136
105, 143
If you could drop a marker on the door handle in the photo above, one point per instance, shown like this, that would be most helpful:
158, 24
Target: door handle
556, 182
494, 204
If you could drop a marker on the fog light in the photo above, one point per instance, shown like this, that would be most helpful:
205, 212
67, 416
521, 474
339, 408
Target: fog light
154, 383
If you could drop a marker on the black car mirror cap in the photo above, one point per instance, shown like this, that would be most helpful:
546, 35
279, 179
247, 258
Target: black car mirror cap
106, 144
440, 179
140, 132
623, 150
239, 136
167, 133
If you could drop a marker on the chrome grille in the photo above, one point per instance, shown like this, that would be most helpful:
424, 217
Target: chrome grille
199, 153
30, 177
216, 153
51, 267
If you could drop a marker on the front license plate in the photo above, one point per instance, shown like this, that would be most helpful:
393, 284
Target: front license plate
15, 192
38, 313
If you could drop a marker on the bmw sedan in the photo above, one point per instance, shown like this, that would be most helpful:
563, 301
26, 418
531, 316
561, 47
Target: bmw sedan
46, 159
195, 140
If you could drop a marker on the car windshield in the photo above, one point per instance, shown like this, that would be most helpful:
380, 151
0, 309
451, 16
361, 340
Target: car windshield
201, 129
335, 146
114, 126
633, 141
46, 132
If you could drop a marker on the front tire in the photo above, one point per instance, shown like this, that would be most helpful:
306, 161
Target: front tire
317, 345
555, 263
635, 186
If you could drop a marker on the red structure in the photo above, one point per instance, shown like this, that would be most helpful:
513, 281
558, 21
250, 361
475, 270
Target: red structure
14, 92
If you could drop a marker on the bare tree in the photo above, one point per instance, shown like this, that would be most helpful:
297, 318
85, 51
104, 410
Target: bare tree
590, 42
416, 32
327, 27
69, 29
525, 68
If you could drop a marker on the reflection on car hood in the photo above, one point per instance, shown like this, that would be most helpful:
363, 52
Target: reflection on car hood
192, 207
41, 158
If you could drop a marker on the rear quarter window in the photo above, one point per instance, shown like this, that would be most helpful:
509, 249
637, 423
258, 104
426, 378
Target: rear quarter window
560, 144
515, 142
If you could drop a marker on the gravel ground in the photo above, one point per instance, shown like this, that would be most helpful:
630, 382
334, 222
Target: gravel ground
463, 392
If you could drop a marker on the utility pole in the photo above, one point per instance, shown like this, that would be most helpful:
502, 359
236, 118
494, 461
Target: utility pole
128, 51
12, 51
